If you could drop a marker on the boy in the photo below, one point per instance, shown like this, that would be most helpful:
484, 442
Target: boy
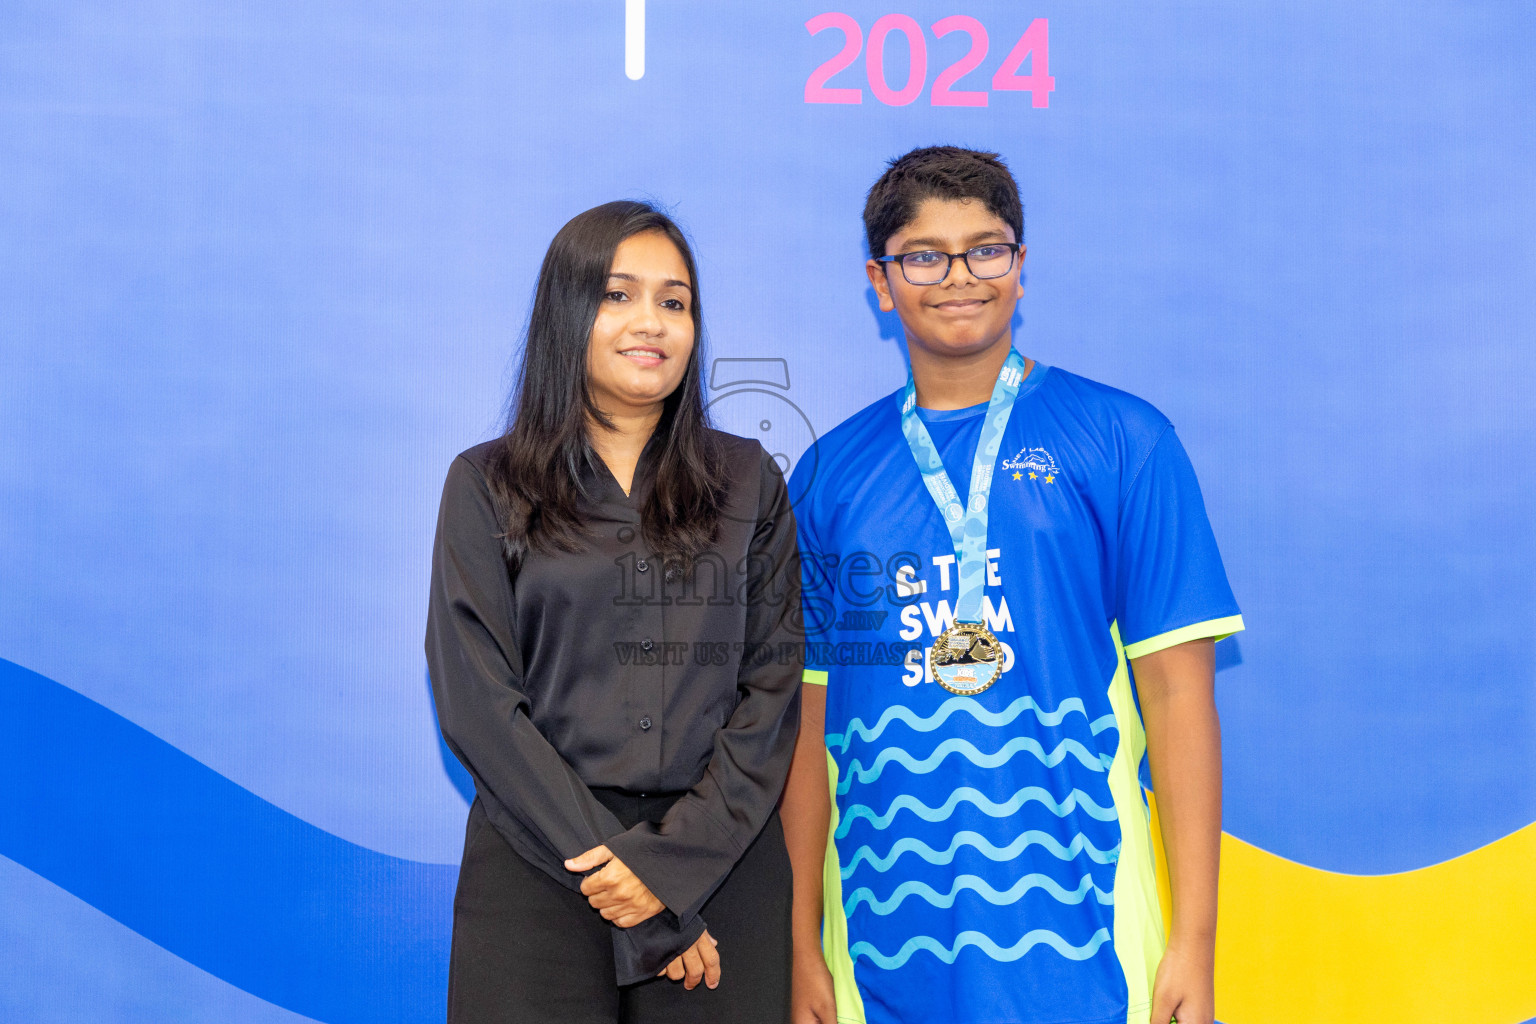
992, 556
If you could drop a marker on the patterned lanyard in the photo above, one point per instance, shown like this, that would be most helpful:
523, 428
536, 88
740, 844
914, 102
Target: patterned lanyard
967, 523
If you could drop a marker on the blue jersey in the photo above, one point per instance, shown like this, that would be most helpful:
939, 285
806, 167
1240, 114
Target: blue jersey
990, 858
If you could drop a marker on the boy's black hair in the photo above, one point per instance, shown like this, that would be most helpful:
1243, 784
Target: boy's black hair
939, 172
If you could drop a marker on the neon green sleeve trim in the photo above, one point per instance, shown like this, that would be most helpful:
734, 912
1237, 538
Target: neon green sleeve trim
1220, 629
811, 675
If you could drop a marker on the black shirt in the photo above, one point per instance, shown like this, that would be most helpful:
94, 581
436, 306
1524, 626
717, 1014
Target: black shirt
603, 669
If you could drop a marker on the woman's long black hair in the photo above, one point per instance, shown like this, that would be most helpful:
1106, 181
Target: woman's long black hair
536, 475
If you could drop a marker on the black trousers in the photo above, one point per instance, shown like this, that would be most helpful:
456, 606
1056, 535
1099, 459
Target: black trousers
527, 950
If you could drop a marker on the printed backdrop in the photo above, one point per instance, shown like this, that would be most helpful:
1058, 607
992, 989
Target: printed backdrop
262, 273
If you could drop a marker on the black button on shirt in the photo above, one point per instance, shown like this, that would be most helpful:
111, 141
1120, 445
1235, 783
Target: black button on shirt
541, 675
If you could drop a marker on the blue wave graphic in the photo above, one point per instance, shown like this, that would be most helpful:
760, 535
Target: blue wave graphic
971, 706
1075, 800
210, 871
907, 844
981, 887
967, 750
1038, 937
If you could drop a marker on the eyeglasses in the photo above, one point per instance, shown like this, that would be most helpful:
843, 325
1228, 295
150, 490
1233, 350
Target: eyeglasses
930, 267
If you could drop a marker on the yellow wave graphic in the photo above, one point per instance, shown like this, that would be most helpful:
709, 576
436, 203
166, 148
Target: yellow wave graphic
1452, 943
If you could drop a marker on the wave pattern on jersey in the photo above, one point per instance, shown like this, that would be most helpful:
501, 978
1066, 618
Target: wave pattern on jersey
1075, 800
970, 705
960, 872
1031, 939
1033, 837
982, 888
1018, 745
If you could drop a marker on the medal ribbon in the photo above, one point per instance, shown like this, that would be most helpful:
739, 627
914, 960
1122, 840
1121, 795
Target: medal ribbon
967, 523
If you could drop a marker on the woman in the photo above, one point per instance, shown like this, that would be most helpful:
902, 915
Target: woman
611, 643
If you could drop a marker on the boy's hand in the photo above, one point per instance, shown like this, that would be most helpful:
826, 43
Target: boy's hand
812, 1001
615, 892
699, 961
1184, 989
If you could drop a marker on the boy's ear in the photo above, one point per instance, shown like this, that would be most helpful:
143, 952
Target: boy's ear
881, 284
1019, 283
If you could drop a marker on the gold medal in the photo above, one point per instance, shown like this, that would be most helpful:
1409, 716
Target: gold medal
966, 658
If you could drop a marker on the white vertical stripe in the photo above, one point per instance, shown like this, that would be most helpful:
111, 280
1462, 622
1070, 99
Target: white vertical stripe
634, 39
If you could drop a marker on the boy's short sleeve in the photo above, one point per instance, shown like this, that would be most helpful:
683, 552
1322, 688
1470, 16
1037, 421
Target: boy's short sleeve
1170, 585
816, 583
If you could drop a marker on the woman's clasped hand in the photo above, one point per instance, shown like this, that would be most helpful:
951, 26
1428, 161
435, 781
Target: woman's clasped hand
701, 962
619, 896
613, 890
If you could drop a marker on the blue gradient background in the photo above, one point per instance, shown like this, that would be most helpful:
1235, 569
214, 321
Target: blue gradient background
262, 274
